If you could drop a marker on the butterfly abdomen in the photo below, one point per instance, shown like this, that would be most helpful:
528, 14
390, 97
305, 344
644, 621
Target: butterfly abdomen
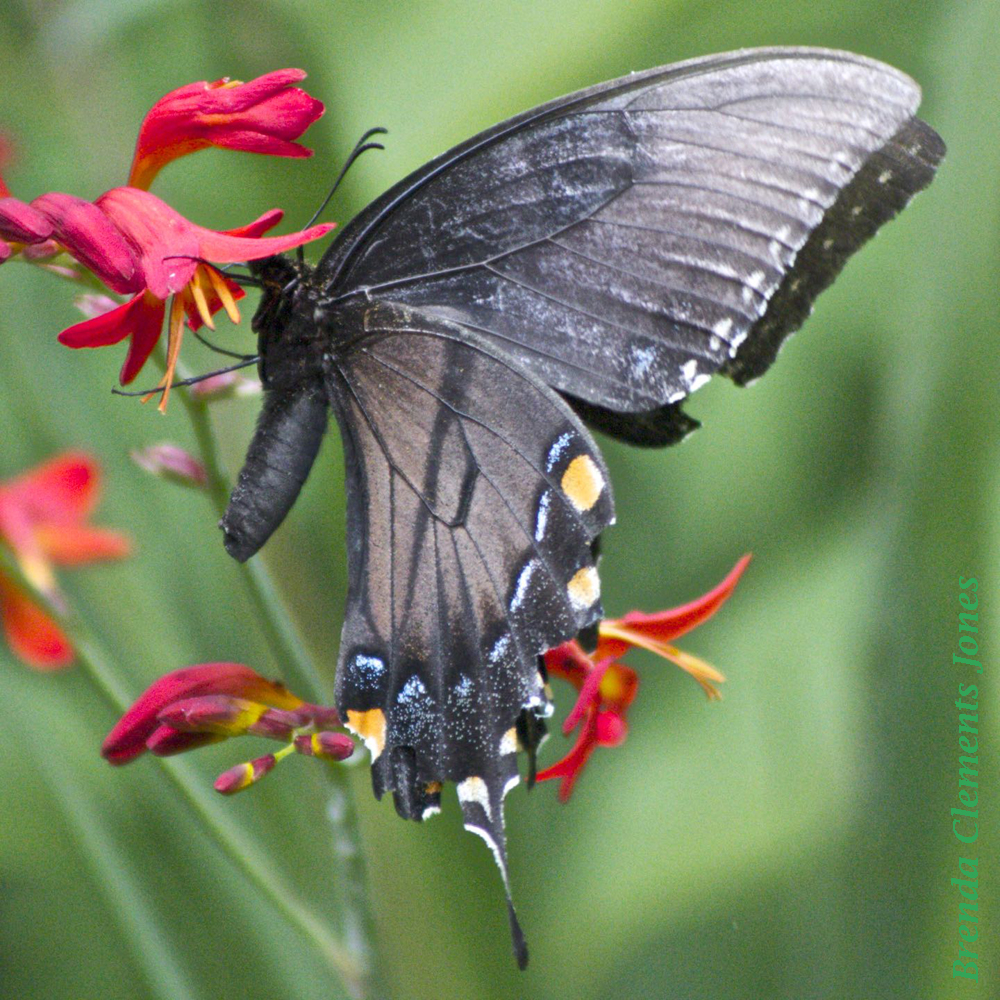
289, 431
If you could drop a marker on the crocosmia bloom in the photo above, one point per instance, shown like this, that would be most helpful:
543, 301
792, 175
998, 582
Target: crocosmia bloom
264, 115
209, 702
606, 688
43, 524
169, 252
142, 248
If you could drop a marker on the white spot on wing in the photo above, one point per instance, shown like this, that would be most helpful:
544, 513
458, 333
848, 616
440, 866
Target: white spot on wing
508, 742
475, 790
642, 359
542, 518
886, 175
523, 580
368, 668
412, 691
500, 649
560, 444
722, 328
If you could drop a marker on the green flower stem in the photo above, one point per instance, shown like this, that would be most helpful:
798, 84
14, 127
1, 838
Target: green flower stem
286, 645
238, 848
357, 922
347, 962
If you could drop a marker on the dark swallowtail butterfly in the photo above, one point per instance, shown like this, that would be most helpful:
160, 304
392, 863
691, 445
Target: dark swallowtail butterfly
592, 261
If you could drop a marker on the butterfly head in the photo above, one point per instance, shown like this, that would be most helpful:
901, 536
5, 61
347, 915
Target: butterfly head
286, 333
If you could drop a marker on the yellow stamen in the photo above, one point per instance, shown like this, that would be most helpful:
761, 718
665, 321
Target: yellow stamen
38, 573
198, 293
225, 295
704, 673
174, 338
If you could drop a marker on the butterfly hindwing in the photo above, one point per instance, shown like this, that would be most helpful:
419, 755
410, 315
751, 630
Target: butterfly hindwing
627, 242
475, 494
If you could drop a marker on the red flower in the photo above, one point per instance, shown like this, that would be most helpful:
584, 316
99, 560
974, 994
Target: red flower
139, 246
43, 517
210, 702
607, 688
262, 116
165, 248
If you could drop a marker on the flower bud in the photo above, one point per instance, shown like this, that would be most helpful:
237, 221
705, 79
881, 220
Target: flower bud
221, 386
20, 223
168, 461
244, 775
327, 746
165, 741
213, 713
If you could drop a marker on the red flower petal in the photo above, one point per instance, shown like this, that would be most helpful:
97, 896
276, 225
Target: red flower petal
32, 635
664, 626
92, 239
74, 545
261, 116
610, 729
170, 246
259, 226
140, 318
62, 490
251, 141
166, 742
128, 738
148, 325
589, 697
20, 223
572, 764
569, 662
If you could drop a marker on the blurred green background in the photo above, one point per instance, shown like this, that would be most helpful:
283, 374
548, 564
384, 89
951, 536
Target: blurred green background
791, 841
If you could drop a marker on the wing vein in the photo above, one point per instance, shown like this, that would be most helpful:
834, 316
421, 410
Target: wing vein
490, 430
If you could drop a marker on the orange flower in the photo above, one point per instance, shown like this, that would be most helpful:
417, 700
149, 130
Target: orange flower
607, 688
167, 253
43, 516
262, 116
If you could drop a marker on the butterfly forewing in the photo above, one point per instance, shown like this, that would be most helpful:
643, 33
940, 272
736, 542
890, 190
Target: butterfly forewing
624, 243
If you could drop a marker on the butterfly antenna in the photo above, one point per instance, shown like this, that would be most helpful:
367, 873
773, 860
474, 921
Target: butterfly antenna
221, 350
361, 146
188, 381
